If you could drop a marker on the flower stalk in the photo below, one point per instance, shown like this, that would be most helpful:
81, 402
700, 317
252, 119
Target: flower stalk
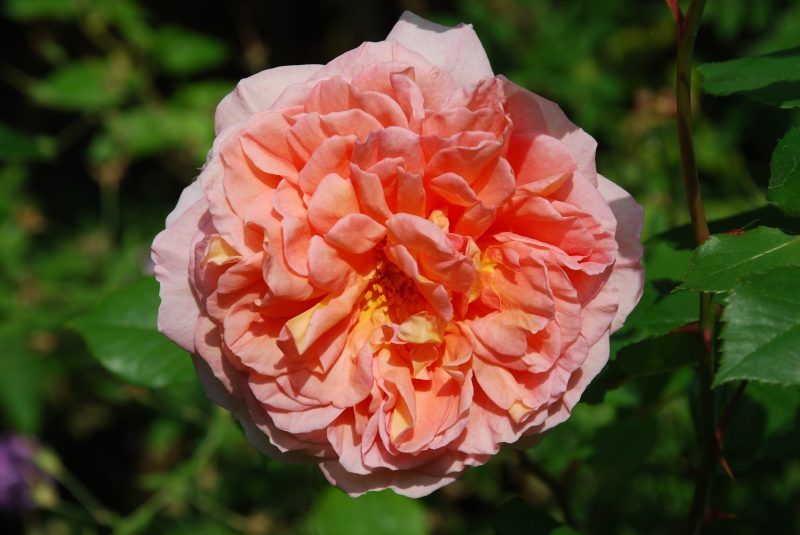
687, 26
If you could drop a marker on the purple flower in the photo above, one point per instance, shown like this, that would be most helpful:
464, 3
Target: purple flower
17, 473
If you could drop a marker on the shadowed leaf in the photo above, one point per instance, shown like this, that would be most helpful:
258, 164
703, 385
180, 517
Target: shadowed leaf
773, 79
784, 183
121, 333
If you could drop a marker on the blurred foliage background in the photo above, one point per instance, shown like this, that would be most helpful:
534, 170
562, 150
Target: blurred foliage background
107, 110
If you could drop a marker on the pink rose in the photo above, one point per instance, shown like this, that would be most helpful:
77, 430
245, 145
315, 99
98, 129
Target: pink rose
397, 262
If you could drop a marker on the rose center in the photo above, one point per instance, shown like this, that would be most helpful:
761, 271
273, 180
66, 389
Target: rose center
391, 296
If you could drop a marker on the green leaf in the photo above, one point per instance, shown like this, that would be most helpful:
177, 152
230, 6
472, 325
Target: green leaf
129, 17
625, 444
784, 182
42, 9
780, 404
148, 130
725, 258
181, 51
202, 95
647, 358
16, 145
682, 237
121, 333
773, 79
374, 513
143, 131
761, 329
658, 313
84, 85
22, 380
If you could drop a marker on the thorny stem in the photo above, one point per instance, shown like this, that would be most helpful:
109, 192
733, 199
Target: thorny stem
687, 32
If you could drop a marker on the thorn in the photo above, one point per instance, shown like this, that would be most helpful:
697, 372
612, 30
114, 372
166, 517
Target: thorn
735, 232
707, 337
688, 328
726, 467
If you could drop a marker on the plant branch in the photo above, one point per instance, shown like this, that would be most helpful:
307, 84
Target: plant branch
687, 27
178, 482
687, 31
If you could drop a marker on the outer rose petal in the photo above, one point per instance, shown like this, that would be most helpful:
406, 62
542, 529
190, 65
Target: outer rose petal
628, 275
580, 379
258, 92
408, 483
178, 312
189, 196
530, 112
455, 50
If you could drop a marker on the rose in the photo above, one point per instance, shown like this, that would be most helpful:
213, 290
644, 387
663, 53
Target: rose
397, 262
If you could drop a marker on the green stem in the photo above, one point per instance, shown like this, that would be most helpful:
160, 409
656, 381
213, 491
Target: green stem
180, 480
687, 32
99, 513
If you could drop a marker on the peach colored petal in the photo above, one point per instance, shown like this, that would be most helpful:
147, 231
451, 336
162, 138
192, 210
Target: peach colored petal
539, 157
370, 192
179, 310
454, 50
333, 199
307, 327
217, 376
628, 276
258, 92
330, 268
411, 198
355, 233
454, 189
506, 332
264, 142
435, 84
332, 157
532, 113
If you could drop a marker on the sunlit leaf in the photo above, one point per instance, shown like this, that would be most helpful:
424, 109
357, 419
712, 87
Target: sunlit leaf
85, 85
16, 145
761, 329
725, 258
784, 184
121, 333
773, 79
149, 130
202, 95
42, 9
384, 513
181, 51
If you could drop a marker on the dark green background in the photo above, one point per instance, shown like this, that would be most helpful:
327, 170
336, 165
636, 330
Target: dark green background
107, 110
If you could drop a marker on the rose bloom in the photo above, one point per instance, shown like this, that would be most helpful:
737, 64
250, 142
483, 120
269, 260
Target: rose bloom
395, 263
